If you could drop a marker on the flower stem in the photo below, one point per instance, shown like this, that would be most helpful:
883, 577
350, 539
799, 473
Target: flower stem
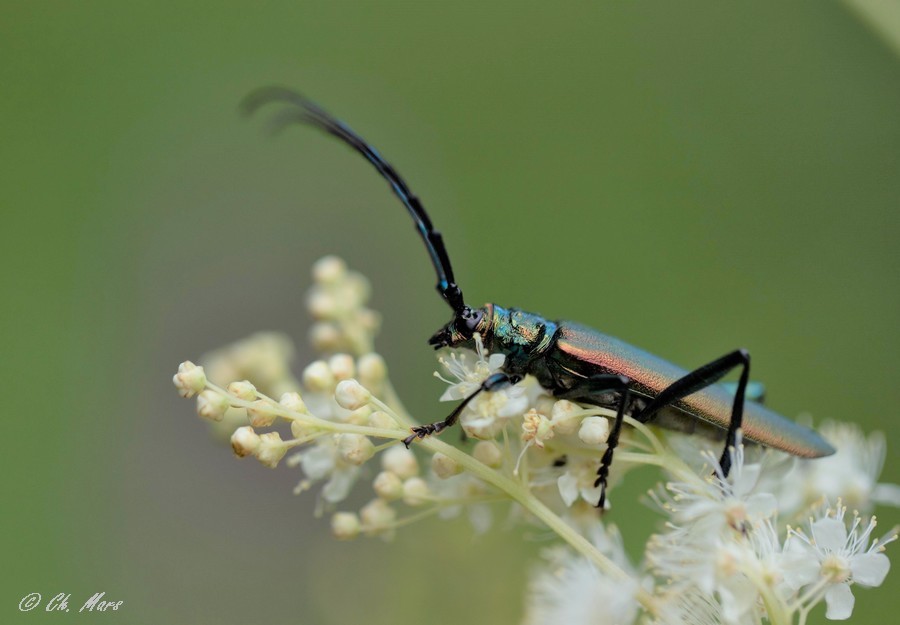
518, 492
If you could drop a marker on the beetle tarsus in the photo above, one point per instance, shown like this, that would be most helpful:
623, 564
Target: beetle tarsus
421, 431
494, 382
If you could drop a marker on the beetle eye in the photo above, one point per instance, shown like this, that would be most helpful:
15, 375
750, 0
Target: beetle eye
467, 322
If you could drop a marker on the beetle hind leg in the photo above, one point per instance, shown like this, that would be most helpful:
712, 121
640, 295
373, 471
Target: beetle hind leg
697, 380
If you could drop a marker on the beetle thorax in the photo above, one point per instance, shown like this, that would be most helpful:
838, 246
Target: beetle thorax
517, 332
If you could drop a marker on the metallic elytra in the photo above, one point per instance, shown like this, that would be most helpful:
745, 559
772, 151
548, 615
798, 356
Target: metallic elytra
572, 361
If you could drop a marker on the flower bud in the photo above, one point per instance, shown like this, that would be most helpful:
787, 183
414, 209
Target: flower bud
351, 395
360, 416
488, 453
271, 449
563, 416
594, 430
401, 461
342, 366
415, 491
355, 449
243, 390
299, 429
325, 337
329, 270
190, 379
388, 485
293, 402
322, 304
244, 441
381, 419
345, 525
444, 466
377, 516
317, 377
211, 405
372, 370
368, 319
261, 414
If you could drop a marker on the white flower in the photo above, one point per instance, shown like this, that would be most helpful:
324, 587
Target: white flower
717, 566
578, 480
457, 492
720, 540
834, 558
851, 473
324, 461
569, 589
536, 428
712, 502
485, 414
691, 606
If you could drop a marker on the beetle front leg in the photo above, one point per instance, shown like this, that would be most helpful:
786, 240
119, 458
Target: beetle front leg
494, 382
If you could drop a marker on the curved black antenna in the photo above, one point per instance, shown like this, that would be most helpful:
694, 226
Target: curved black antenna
308, 112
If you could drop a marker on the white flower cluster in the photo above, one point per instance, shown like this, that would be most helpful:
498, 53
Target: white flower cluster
726, 554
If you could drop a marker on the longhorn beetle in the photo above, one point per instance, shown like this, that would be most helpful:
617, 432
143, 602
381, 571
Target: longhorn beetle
569, 360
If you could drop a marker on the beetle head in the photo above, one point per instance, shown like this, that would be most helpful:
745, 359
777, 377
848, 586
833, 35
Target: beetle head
461, 329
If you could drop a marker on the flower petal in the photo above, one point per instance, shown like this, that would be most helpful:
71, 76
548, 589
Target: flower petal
800, 566
317, 462
761, 505
568, 488
869, 569
830, 534
495, 361
338, 487
887, 495
839, 600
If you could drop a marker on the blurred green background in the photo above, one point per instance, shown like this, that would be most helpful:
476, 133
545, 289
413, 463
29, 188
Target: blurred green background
691, 177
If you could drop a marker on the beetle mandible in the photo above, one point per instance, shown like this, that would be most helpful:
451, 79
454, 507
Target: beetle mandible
569, 360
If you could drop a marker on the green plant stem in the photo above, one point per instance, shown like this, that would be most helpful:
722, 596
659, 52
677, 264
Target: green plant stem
519, 493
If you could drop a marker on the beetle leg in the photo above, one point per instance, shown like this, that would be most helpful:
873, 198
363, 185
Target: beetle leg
588, 392
494, 382
697, 380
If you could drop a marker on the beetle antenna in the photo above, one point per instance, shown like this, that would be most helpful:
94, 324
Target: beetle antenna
304, 111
